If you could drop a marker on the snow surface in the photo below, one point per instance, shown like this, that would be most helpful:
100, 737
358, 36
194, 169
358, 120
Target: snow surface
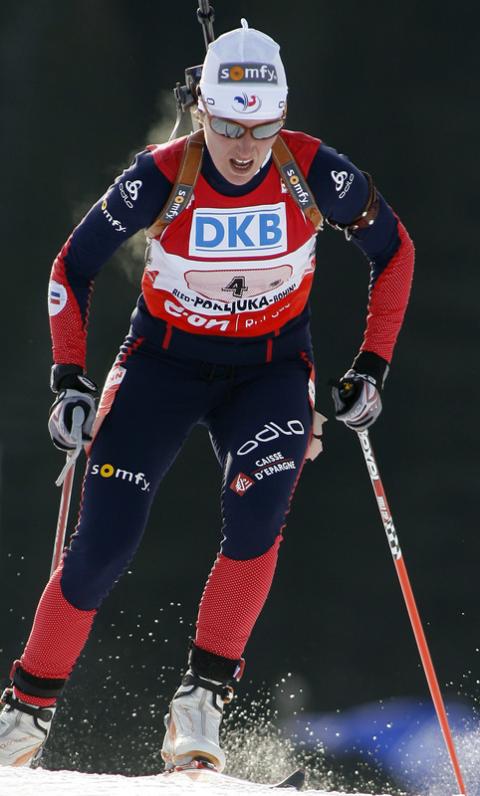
39, 782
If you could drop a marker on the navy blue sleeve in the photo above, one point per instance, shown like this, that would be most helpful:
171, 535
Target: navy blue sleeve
133, 202
130, 204
339, 187
341, 192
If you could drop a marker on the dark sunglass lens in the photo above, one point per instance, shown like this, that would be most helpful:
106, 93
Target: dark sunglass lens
267, 130
226, 128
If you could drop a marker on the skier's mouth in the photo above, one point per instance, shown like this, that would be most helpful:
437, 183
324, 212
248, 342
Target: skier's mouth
241, 166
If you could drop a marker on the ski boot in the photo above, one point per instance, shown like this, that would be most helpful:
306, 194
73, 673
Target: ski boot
193, 721
24, 730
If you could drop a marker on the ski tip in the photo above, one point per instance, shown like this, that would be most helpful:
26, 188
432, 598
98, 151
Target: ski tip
295, 780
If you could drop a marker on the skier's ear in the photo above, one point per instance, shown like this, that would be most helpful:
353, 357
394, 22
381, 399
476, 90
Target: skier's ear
199, 117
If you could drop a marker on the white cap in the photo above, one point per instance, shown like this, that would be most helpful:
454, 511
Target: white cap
243, 76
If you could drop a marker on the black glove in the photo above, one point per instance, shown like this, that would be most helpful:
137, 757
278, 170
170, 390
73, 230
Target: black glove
74, 389
356, 395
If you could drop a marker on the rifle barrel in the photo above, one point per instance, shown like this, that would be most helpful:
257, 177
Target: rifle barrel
206, 16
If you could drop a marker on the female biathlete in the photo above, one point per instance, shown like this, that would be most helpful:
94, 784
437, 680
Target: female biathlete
219, 336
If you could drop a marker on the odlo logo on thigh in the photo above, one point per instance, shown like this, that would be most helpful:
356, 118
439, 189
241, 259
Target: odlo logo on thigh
109, 471
269, 432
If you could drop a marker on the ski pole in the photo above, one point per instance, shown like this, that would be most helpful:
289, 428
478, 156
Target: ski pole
412, 609
65, 480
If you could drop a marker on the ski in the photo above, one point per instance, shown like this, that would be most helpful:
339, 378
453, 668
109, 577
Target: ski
200, 769
295, 780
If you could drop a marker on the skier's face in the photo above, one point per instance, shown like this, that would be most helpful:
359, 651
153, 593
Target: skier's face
237, 159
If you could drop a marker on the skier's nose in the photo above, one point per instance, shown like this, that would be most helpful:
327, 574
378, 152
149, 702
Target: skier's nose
245, 145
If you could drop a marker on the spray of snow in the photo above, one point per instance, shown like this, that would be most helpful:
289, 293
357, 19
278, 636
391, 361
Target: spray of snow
441, 780
111, 721
131, 256
258, 750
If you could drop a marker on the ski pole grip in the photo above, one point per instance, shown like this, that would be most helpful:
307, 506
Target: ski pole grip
78, 418
77, 423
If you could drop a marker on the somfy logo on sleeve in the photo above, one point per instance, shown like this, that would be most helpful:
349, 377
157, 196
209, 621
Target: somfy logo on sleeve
241, 232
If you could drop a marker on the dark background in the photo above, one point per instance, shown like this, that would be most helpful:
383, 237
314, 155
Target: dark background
394, 86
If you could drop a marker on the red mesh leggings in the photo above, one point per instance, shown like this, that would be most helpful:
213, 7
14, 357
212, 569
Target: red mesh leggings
233, 598
58, 636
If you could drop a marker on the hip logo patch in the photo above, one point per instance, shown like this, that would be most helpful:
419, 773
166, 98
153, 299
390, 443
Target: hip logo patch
241, 483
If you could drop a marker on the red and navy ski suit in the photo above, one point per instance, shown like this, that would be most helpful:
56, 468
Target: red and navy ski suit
219, 337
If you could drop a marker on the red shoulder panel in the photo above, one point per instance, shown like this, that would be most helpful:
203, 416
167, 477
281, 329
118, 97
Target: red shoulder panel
304, 147
168, 156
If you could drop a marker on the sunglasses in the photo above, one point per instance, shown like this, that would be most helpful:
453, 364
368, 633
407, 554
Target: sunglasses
233, 129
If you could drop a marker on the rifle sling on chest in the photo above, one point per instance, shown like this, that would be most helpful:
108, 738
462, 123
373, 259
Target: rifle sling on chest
191, 165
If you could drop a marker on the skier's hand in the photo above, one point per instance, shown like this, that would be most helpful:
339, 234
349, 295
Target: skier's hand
357, 400
73, 389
